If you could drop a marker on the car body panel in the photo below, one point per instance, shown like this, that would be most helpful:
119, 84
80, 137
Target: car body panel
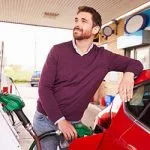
86, 143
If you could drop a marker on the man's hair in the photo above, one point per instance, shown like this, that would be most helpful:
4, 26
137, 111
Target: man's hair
96, 17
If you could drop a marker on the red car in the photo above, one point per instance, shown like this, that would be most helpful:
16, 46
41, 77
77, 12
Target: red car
126, 129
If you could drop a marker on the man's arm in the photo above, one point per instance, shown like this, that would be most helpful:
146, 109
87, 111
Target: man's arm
130, 68
48, 99
124, 64
45, 89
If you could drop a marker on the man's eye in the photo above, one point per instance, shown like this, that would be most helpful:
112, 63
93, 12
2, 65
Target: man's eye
76, 21
84, 21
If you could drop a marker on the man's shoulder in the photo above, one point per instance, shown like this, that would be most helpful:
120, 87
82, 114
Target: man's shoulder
100, 48
102, 51
60, 48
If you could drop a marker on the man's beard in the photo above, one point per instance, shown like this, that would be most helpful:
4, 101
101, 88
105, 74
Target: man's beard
81, 35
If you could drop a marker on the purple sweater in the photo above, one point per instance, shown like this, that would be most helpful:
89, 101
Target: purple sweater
69, 81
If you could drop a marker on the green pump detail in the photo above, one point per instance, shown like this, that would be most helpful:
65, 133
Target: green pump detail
11, 102
82, 130
14, 103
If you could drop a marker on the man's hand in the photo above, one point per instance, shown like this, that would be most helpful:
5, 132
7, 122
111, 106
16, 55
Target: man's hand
67, 129
126, 86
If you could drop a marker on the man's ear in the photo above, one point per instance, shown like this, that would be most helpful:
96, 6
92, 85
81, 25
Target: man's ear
96, 29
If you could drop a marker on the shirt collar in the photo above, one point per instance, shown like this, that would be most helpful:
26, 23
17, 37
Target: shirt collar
79, 51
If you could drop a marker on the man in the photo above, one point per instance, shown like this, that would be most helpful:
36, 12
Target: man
71, 75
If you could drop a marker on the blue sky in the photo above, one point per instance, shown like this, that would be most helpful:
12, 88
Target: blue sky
24, 45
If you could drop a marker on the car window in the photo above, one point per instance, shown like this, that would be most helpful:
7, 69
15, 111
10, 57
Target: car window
139, 106
36, 74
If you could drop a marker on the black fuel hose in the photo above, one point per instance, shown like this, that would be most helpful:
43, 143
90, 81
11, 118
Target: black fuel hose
36, 139
22, 117
44, 135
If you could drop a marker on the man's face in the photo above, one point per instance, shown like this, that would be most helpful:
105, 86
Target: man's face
83, 26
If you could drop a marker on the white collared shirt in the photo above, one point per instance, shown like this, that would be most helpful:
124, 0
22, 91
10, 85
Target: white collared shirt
79, 51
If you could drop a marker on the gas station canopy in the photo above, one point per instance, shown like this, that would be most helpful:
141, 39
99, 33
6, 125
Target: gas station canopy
60, 13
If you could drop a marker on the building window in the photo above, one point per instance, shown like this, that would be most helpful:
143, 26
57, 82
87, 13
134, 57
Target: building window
142, 54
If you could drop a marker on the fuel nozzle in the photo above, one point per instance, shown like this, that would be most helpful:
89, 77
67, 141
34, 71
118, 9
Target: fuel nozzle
14, 103
82, 130
11, 102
